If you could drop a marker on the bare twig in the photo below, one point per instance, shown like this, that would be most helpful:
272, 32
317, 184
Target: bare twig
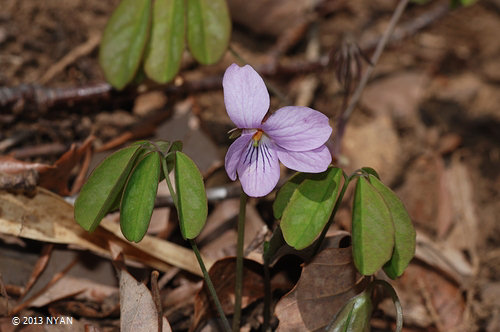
39, 267
54, 280
155, 291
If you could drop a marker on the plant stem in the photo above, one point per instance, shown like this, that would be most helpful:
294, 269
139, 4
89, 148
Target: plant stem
206, 276
167, 180
267, 297
366, 76
239, 263
395, 299
210, 287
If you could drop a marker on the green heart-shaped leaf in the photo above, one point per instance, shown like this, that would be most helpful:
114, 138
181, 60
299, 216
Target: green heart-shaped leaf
404, 235
372, 229
104, 186
138, 198
165, 48
191, 196
208, 29
124, 40
309, 206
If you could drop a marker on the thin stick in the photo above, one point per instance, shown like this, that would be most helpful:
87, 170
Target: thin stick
239, 263
155, 291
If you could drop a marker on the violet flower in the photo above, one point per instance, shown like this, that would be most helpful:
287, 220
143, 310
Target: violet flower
294, 135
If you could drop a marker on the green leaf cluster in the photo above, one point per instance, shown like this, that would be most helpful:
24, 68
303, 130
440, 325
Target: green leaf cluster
152, 34
382, 231
128, 180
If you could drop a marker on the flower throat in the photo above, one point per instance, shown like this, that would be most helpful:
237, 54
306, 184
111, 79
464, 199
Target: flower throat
256, 137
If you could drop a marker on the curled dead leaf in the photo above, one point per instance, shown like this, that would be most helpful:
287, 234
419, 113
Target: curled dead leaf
137, 309
325, 285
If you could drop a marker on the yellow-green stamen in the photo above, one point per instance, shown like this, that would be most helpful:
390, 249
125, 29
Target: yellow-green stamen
256, 137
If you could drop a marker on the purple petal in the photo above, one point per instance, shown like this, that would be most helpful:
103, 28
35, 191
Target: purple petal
313, 161
259, 169
245, 96
234, 153
297, 128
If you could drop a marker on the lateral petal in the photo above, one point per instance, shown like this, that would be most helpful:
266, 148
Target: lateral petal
298, 128
245, 96
234, 153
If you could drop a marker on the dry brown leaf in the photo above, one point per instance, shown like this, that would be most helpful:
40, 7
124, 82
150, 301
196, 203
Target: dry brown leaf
49, 218
423, 194
443, 257
398, 96
137, 309
69, 286
56, 179
182, 296
223, 276
325, 285
274, 16
375, 144
159, 250
464, 235
424, 294
218, 237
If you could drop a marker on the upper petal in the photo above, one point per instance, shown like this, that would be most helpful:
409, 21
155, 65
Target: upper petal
245, 96
298, 128
313, 161
234, 153
259, 169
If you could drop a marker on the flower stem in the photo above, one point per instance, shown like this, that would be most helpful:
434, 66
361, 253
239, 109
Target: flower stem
210, 287
267, 297
239, 263
206, 276
167, 180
